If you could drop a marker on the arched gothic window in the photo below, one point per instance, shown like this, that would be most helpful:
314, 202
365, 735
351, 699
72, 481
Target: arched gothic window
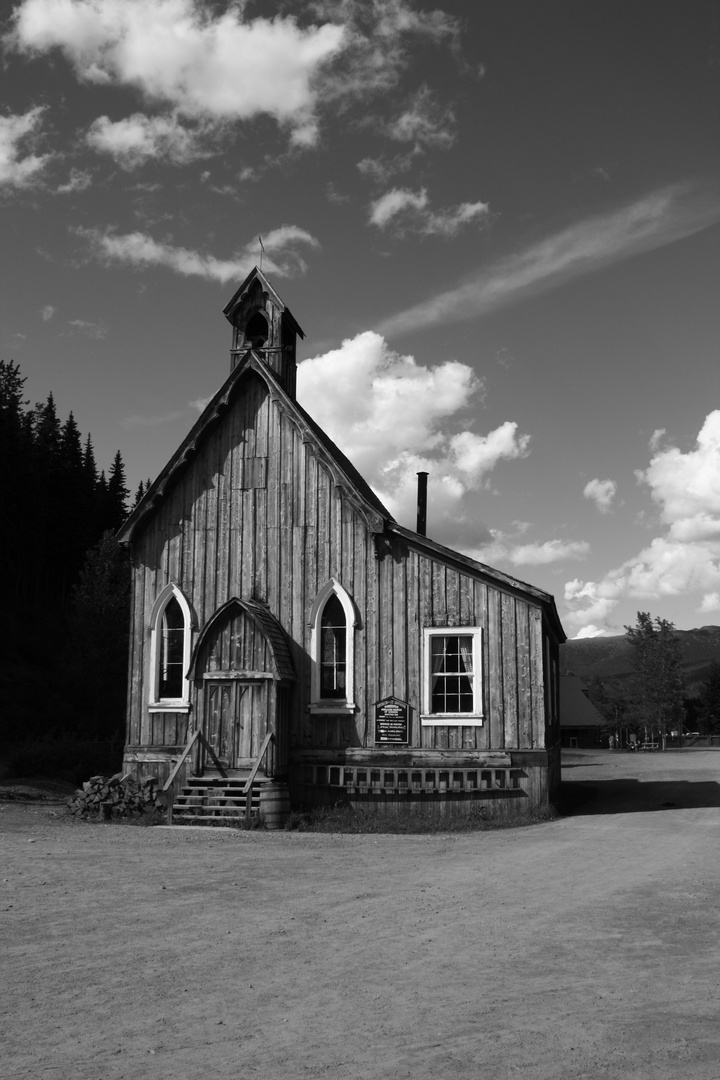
171, 625
172, 632
332, 649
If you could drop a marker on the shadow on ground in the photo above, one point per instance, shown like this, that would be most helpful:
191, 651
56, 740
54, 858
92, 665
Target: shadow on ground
634, 796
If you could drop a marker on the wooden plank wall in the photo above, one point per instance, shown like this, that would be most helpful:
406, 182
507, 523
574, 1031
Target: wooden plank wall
257, 514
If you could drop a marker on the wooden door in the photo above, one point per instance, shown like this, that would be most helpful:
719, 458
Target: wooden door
236, 720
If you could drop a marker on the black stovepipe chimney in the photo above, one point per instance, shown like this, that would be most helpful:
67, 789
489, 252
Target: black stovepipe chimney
422, 503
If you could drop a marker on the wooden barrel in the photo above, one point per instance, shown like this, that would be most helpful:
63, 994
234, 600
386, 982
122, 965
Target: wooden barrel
274, 804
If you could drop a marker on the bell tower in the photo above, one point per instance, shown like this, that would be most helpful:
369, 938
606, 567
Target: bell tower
261, 322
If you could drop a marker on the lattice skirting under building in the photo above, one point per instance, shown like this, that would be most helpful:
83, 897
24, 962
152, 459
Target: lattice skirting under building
504, 792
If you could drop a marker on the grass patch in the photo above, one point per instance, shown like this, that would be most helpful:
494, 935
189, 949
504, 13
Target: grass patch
348, 819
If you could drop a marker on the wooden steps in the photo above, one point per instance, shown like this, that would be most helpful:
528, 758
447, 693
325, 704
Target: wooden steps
216, 800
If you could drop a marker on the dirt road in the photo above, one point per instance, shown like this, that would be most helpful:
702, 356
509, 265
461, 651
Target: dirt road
581, 948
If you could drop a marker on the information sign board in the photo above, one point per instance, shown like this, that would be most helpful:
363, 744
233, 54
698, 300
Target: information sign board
391, 722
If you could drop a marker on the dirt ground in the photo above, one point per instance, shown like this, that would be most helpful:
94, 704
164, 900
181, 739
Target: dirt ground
585, 947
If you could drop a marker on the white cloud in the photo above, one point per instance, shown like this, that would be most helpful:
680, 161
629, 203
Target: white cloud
397, 17
423, 122
477, 454
375, 48
382, 169
687, 485
602, 492
591, 601
409, 211
78, 180
47, 312
686, 558
505, 549
18, 168
182, 53
89, 329
214, 64
282, 253
551, 551
396, 202
658, 219
710, 602
590, 631
140, 138
394, 417
656, 438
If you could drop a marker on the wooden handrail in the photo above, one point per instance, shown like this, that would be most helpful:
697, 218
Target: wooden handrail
253, 772
188, 747
212, 754
166, 792
247, 790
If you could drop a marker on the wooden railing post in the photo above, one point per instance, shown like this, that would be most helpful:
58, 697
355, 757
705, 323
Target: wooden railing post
167, 792
247, 790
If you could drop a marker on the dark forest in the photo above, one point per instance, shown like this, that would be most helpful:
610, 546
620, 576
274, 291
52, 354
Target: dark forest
65, 588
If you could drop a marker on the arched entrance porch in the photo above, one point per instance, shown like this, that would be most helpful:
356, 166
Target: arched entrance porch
243, 676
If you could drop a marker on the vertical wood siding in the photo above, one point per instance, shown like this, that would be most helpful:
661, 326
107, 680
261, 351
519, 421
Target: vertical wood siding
259, 515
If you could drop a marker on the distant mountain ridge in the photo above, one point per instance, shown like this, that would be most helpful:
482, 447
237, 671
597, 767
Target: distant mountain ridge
611, 658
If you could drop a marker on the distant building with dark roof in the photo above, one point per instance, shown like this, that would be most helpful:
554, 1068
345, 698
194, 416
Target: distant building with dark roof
581, 725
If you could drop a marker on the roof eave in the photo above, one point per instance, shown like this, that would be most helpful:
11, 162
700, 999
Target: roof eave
545, 599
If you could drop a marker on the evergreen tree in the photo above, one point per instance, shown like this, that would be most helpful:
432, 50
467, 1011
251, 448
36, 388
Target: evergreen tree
47, 428
76, 528
53, 508
117, 492
89, 466
95, 664
658, 682
15, 474
71, 445
142, 490
12, 404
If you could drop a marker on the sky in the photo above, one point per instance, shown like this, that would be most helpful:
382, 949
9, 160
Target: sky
498, 224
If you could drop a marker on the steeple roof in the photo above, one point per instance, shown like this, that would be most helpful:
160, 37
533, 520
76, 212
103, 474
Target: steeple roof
257, 275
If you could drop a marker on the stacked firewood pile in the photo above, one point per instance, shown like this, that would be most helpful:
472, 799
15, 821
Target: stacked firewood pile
115, 796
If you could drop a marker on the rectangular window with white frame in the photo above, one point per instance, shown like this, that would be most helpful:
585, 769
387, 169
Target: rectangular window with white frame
452, 676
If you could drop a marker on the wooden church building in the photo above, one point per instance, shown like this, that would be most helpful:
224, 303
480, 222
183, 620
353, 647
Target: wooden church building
283, 622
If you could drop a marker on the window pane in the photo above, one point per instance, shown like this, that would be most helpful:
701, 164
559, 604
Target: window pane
451, 674
333, 614
173, 615
174, 641
333, 643
172, 644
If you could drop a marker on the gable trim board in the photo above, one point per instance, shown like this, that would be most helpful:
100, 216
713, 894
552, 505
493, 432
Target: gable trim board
255, 514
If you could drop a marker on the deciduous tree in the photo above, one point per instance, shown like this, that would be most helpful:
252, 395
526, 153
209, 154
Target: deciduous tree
658, 682
710, 702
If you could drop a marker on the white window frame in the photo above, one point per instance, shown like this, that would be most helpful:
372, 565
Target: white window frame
182, 703
318, 705
472, 719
